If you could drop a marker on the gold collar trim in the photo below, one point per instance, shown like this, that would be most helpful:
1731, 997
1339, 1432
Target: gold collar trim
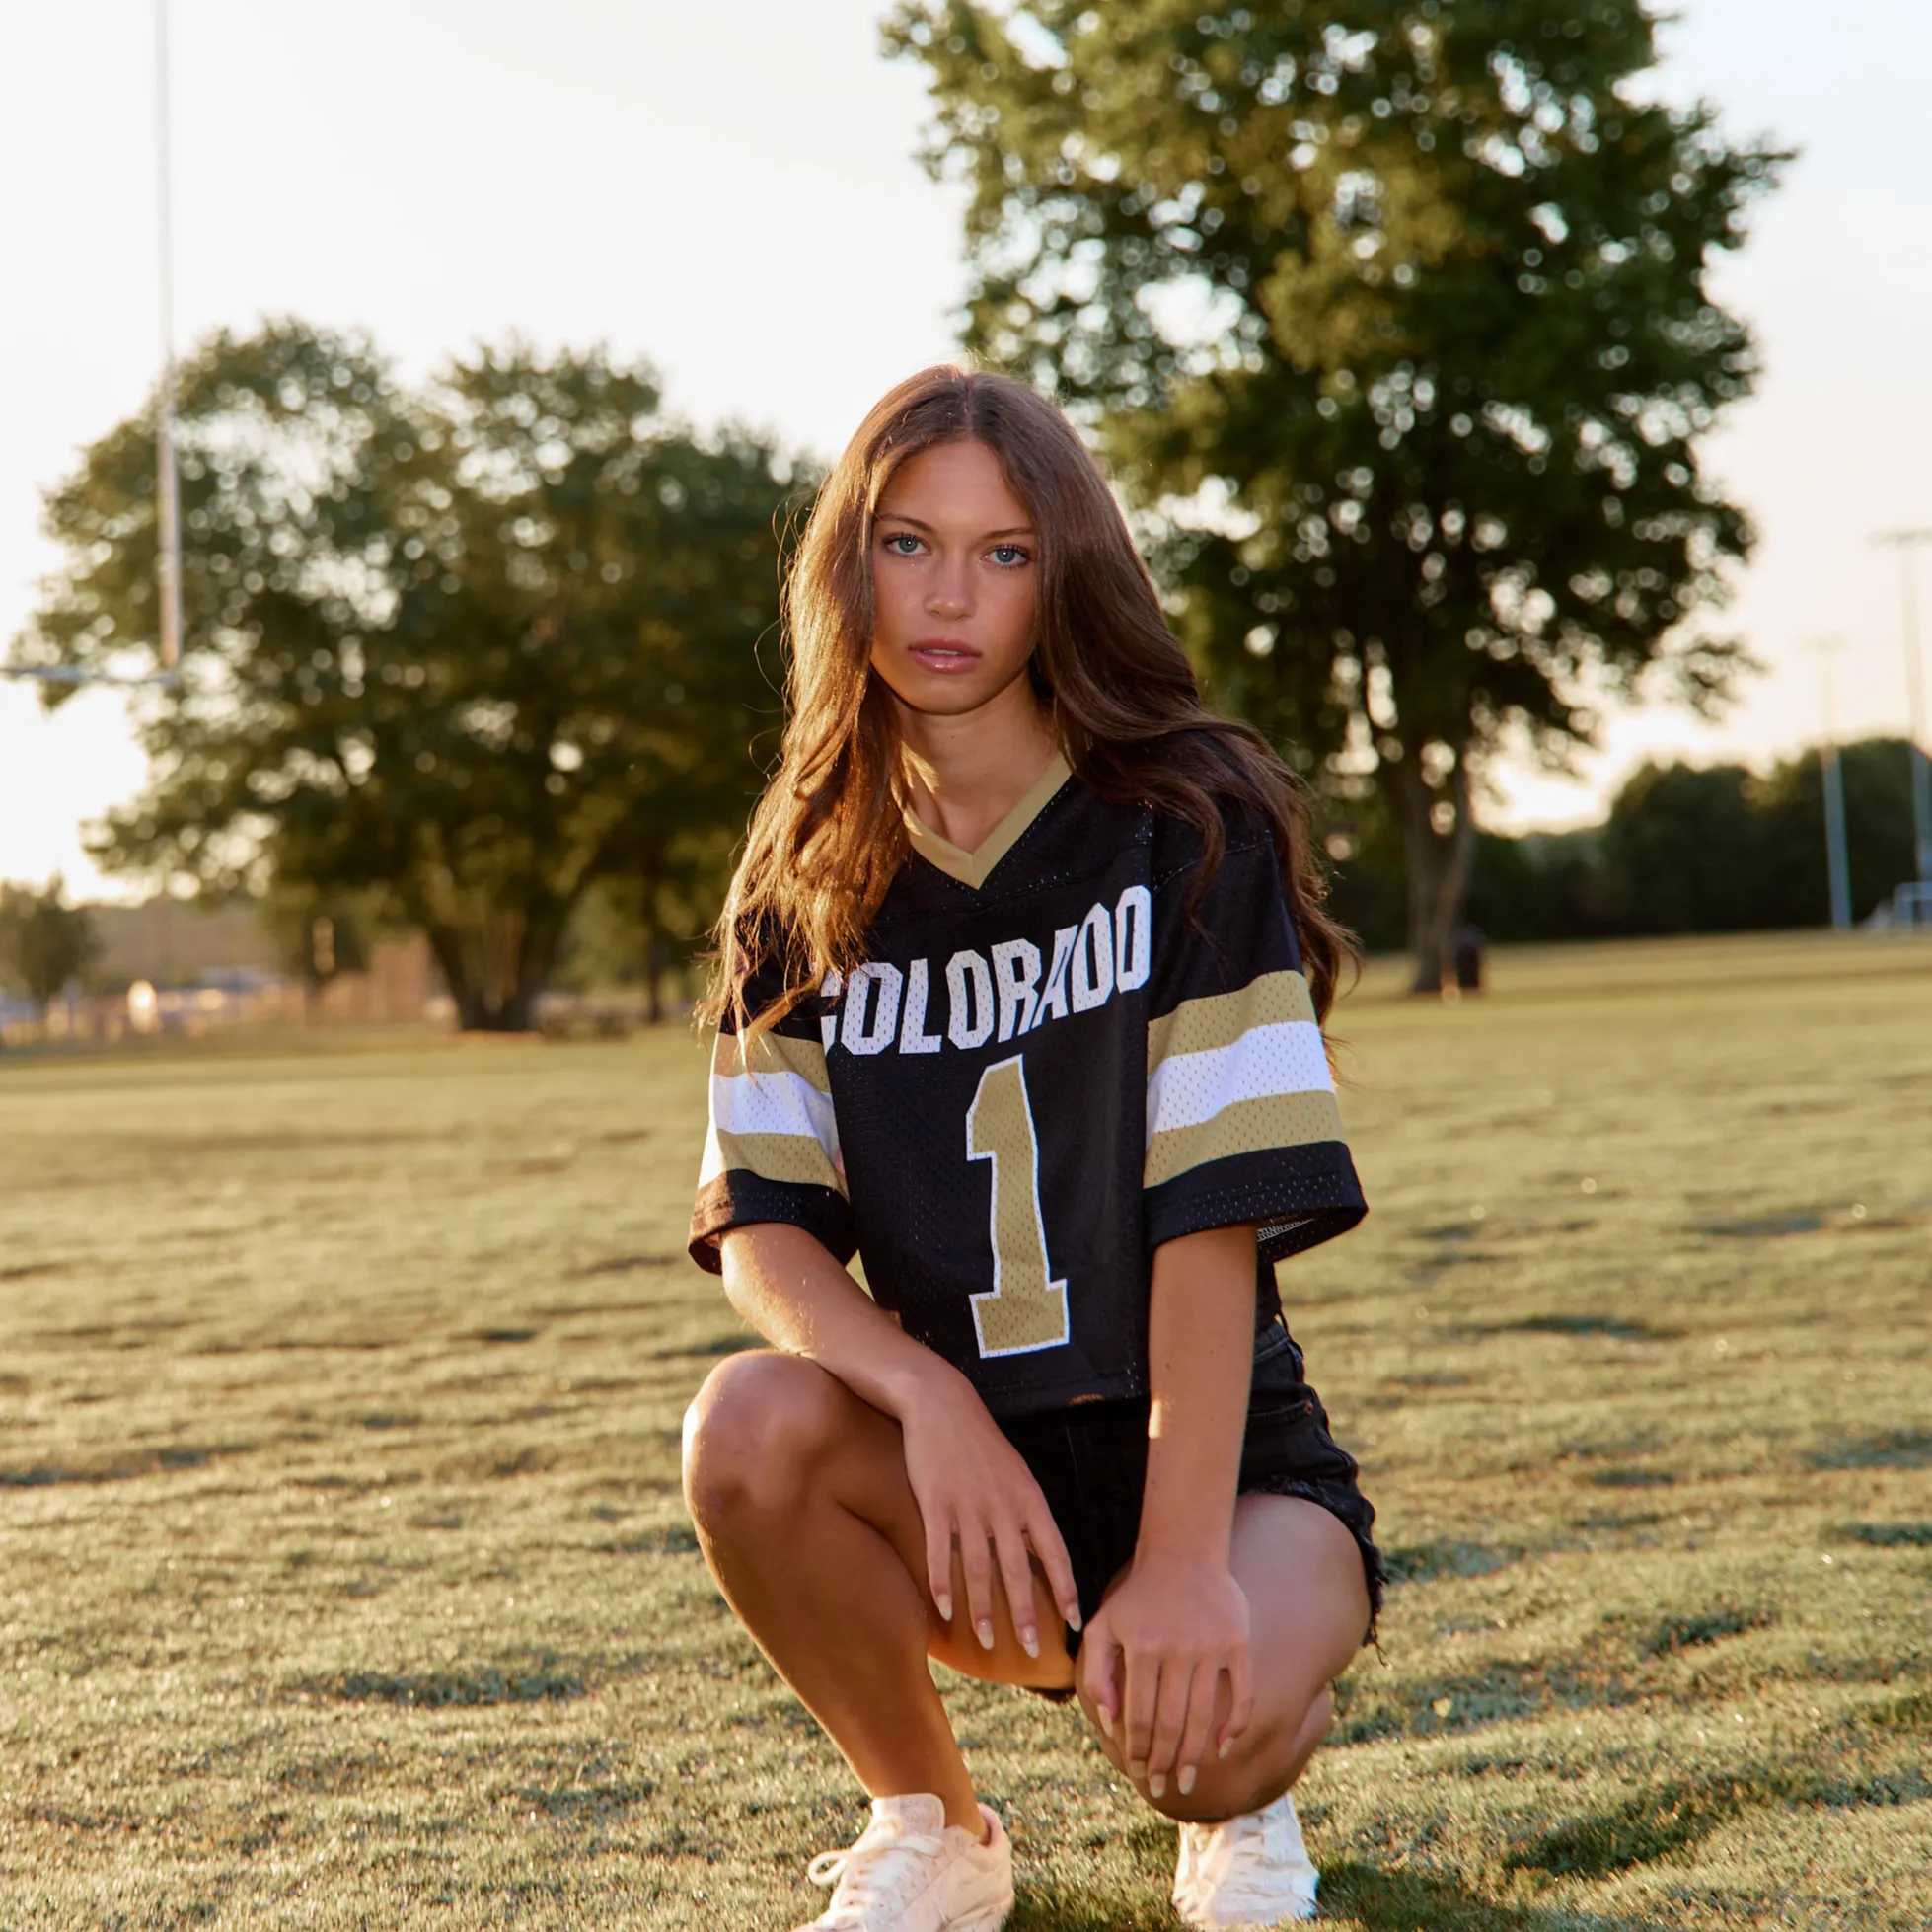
971, 868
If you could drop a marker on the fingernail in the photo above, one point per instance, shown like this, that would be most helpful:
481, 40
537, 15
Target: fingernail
1074, 1617
1107, 1721
1186, 1780
1157, 1784
985, 1628
1032, 1642
943, 1605
1137, 1772
1226, 1744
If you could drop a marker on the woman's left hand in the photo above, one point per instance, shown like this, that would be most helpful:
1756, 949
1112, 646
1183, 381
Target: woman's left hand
1153, 1658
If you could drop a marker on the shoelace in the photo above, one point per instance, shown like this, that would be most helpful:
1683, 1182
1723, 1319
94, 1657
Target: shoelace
870, 1873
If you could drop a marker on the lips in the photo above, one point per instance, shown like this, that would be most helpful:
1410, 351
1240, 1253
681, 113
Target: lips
945, 655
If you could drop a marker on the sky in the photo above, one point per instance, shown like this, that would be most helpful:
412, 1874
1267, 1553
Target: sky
733, 194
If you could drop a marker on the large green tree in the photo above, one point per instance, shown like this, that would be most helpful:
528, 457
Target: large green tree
453, 652
1392, 317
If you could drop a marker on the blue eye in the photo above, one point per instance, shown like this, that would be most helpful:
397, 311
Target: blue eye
1007, 556
899, 536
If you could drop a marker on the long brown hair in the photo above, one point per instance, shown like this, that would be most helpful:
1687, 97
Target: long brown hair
829, 834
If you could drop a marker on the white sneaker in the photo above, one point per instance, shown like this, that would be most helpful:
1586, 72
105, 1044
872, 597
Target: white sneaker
913, 1872
1245, 1873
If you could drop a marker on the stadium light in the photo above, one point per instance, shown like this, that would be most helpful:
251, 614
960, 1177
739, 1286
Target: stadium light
1837, 857
167, 566
167, 499
1904, 542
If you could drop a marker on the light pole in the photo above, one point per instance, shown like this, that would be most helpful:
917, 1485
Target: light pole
1837, 857
167, 491
168, 501
1904, 542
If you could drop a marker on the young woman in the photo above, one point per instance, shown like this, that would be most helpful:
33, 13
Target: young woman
1019, 997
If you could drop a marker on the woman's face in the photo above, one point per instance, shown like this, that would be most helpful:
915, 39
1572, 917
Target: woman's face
953, 581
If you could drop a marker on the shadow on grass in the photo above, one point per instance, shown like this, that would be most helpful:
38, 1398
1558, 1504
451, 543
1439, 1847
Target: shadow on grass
1425, 1562
1895, 1449
1141, 1904
1615, 1667
538, 1682
1505, 1691
1764, 1227
1408, 1901
125, 1469
1641, 1830
1679, 1633
588, 1802
1351, 1891
1670, 1817
1890, 1535
718, 1345
1627, 1476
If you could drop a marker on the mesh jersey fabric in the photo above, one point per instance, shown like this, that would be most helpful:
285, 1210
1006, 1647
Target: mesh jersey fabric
1033, 1083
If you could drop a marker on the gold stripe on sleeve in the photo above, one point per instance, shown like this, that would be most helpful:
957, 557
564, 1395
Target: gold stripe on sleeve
1220, 1019
796, 1158
771, 1053
1277, 1120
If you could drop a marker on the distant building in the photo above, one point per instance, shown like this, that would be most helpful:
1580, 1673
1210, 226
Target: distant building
171, 944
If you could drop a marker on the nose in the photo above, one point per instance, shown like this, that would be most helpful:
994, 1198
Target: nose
949, 592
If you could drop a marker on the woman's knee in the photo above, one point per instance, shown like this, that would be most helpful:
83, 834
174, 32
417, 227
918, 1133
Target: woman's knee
1266, 1760
752, 1432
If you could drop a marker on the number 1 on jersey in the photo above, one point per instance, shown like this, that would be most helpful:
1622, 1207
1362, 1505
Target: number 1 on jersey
1026, 1309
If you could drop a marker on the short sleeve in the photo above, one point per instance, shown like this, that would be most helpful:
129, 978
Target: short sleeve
772, 1146
1242, 1124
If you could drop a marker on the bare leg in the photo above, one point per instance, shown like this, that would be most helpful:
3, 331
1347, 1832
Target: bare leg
1307, 1607
799, 1490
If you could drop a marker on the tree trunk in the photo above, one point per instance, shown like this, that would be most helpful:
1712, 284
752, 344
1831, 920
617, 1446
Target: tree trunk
481, 1008
1436, 865
653, 976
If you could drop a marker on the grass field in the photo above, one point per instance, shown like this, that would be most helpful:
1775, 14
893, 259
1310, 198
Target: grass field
345, 1581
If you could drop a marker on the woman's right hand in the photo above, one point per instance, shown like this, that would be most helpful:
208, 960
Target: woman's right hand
974, 1489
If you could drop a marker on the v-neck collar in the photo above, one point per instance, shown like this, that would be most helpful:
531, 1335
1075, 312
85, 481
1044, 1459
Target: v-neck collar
972, 869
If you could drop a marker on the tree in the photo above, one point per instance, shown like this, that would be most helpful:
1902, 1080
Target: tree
1392, 316
45, 944
456, 652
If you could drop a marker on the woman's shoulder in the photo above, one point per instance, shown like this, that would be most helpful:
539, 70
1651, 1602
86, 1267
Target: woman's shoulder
1178, 845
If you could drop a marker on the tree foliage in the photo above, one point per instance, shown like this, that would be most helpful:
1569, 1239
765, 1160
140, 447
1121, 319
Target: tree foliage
1392, 317
45, 944
1686, 849
454, 652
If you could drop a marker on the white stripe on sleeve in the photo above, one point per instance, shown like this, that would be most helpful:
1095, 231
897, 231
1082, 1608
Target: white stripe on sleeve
1187, 1089
774, 1102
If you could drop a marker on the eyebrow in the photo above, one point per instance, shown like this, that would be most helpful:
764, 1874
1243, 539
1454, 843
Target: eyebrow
899, 516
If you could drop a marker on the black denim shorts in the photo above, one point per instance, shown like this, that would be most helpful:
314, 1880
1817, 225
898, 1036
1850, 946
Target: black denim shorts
1091, 1462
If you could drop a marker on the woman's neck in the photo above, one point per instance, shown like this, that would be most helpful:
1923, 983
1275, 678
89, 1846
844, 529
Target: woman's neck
965, 774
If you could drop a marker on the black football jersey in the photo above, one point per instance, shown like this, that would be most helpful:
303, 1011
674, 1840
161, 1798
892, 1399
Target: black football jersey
1051, 1062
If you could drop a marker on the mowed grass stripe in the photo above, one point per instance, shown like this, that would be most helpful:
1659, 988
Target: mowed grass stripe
343, 1577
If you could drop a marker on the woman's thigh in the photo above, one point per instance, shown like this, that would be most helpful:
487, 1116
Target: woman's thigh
805, 1418
1300, 1570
